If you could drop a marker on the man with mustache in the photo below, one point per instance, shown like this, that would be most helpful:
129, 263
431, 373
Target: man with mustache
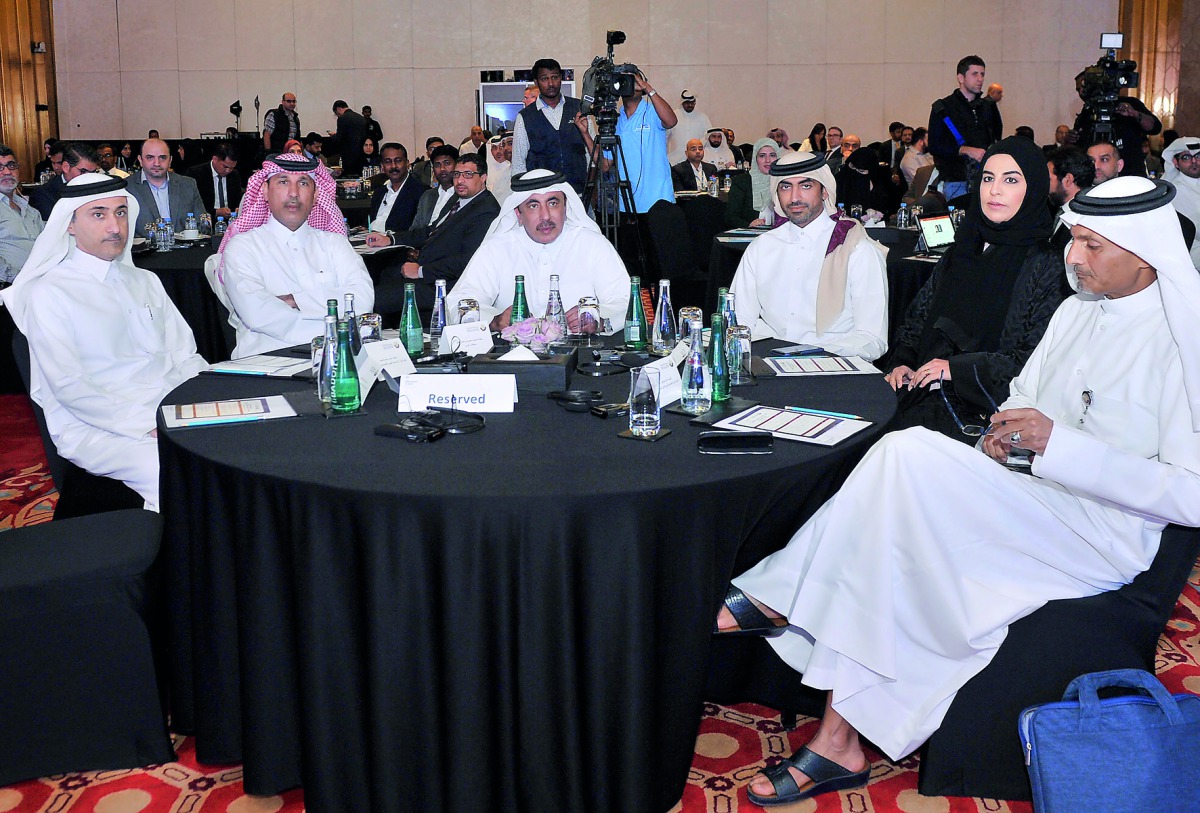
106, 344
817, 279
395, 203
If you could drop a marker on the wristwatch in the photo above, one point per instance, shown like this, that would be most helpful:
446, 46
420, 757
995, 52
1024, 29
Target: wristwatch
652, 93
391, 235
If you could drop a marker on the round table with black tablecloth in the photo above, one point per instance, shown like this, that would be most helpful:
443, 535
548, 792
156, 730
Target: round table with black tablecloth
905, 274
517, 619
181, 272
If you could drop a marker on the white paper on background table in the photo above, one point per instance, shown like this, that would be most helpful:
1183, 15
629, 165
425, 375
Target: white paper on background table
820, 365
787, 424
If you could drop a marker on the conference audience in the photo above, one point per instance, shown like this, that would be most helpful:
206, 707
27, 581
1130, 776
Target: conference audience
161, 193
76, 159
693, 174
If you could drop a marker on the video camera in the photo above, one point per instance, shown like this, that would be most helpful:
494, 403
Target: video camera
605, 82
1099, 85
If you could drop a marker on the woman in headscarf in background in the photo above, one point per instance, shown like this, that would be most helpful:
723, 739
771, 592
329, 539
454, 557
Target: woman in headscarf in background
750, 192
815, 143
975, 322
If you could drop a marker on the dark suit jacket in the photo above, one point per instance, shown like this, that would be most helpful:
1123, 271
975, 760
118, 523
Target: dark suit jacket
234, 187
403, 209
447, 246
45, 196
425, 208
684, 180
348, 141
181, 192
884, 150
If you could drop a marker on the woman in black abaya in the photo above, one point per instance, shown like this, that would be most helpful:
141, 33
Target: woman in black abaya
987, 304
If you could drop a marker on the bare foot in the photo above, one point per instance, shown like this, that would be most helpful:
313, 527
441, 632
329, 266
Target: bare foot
727, 623
851, 758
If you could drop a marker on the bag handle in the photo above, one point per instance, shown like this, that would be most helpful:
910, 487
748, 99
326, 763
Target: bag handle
1084, 688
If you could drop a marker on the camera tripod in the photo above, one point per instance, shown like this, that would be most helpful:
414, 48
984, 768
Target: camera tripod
611, 188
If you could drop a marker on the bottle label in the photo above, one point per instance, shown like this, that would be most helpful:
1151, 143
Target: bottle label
634, 332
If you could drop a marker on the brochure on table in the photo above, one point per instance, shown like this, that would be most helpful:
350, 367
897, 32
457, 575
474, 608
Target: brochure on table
214, 413
794, 423
820, 365
270, 366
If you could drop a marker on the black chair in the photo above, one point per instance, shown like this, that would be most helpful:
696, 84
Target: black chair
79, 689
976, 751
80, 492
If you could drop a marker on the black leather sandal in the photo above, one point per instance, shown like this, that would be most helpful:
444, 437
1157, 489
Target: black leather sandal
750, 619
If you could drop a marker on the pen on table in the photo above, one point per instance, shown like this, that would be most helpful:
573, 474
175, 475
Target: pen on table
824, 412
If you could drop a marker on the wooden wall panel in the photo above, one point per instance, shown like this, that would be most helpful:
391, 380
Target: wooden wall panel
28, 103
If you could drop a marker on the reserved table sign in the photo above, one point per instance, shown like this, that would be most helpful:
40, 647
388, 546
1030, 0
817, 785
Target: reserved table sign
471, 393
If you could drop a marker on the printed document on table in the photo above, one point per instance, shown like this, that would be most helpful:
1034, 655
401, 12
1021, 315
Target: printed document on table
820, 365
214, 413
789, 424
272, 366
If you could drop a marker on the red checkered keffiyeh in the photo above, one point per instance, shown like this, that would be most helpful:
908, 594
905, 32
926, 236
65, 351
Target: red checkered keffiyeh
254, 211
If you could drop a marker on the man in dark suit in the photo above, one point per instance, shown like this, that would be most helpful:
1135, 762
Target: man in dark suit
442, 250
693, 174
219, 182
1071, 172
395, 202
77, 158
348, 141
891, 152
160, 192
442, 162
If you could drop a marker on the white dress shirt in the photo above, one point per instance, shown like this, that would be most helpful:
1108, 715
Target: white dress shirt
390, 194
220, 190
106, 346
775, 290
312, 266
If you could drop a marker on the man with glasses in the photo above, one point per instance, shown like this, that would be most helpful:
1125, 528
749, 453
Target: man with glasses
281, 124
20, 223
442, 249
77, 158
395, 203
1181, 165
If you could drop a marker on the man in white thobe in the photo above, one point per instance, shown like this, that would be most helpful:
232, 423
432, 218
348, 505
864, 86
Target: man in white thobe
543, 229
691, 123
285, 256
106, 344
901, 587
718, 152
817, 279
1181, 166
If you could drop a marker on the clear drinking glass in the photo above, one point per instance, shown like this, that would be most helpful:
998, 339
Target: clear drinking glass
856, 211
589, 319
644, 418
468, 311
687, 315
370, 327
738, 352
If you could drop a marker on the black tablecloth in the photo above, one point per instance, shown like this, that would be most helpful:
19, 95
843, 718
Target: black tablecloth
905, 274
182, 274
517, 619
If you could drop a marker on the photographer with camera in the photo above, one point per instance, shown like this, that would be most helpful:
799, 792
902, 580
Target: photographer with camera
1131, 123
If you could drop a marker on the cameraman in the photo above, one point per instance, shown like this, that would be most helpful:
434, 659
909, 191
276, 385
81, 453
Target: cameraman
1132, 122
642, 126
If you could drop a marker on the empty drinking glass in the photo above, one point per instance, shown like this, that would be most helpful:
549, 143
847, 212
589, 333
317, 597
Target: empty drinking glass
644, 418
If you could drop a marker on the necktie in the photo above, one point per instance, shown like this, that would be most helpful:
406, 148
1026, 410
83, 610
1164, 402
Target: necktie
220, 193
446, 216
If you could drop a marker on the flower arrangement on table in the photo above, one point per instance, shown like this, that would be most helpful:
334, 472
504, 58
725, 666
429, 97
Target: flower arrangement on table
535, 332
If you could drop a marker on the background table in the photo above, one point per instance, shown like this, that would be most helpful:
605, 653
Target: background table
181, 272
517, 619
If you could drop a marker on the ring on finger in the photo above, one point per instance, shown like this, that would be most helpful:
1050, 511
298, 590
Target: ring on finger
1015, 437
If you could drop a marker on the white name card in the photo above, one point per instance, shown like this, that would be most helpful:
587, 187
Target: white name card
375, 357
470, 393
670, 383
472, 338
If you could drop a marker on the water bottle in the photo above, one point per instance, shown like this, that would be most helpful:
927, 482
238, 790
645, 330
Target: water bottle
410, 323
902, 219
169, 231
635, 317
953, 216
352, 320
697, 375
218, 232
718, 359
344, 395
841, 210
663, 336
714, 189
554, 307
328, 360
520, 305
437, 319
190, 223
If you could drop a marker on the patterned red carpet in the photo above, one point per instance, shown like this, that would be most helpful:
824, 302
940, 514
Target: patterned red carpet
734, 741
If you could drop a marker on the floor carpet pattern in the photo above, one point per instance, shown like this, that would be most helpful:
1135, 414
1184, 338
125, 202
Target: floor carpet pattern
734, 741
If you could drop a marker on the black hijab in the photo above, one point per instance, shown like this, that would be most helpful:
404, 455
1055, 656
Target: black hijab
976, 285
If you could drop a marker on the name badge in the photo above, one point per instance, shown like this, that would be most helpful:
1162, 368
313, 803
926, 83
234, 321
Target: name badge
471, 393
472, 338
375, 357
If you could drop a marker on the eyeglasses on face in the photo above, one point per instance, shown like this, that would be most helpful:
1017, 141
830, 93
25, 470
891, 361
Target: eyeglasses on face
465, 173
11, 166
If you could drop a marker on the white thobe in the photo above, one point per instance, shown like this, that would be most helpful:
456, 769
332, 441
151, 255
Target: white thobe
18, 231
586, 263
901, 587
502, 186
271, 261
688, 126
775, 291
1187, 203
106, 346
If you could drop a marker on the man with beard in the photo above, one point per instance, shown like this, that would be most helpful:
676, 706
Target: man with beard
1071, 172
552, 133
691, 124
